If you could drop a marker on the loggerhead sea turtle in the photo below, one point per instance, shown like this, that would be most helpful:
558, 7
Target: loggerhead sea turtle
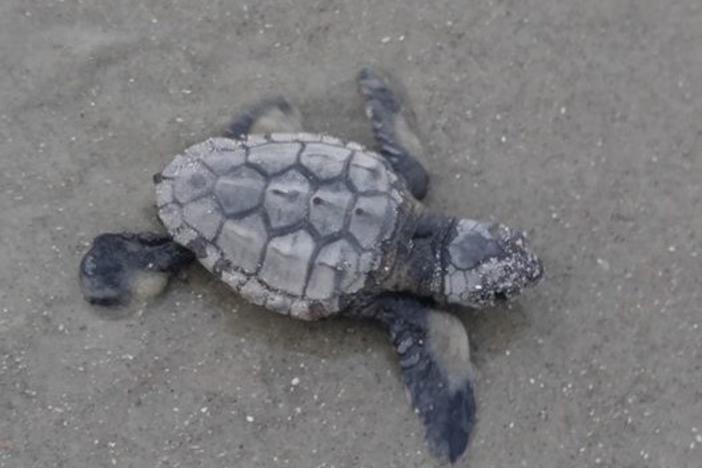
310, 226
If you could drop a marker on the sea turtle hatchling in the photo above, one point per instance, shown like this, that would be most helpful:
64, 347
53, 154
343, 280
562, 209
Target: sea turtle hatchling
310, 226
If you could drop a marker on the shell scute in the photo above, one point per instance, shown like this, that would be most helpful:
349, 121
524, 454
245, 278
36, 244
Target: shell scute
368, 173
336, 266
286, 261
286, 198
274, 157
324, 161
328, 207
242, 242
193, 181
372, 220
239, 191
204, 216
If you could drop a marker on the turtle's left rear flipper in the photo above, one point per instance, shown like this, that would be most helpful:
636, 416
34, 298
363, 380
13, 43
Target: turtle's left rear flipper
120, 267
435, 360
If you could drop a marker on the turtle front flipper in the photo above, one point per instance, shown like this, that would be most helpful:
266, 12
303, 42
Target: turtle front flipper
435, 359
274, 115
394, 128
125, 266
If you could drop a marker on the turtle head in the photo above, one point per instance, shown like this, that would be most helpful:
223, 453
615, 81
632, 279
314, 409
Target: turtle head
120, 267
486, 262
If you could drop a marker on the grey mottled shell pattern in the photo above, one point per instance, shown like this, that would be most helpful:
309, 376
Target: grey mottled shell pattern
292, 222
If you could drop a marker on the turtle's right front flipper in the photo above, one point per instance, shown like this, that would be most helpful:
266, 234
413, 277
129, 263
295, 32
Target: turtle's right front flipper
435, 360
120, 267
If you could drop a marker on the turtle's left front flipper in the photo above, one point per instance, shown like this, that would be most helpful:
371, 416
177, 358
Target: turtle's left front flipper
435, 360
124, 266
395, 128
272, 115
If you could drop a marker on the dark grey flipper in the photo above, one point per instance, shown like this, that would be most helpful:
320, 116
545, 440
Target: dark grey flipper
119, 267
435, 360
274, 115
394, 129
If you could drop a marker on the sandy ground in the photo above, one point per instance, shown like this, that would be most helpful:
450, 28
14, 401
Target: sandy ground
579, 121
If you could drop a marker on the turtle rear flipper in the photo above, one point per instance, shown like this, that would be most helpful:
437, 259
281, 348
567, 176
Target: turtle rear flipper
435, 359
125, 266
274, 115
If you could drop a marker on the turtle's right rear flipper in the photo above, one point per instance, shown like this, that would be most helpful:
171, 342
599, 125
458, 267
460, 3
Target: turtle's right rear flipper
275, 115
435, 360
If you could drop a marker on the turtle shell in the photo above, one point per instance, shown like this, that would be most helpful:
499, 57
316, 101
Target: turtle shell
293, 222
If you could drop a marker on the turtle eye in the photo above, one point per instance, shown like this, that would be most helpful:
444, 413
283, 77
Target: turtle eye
501, 296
